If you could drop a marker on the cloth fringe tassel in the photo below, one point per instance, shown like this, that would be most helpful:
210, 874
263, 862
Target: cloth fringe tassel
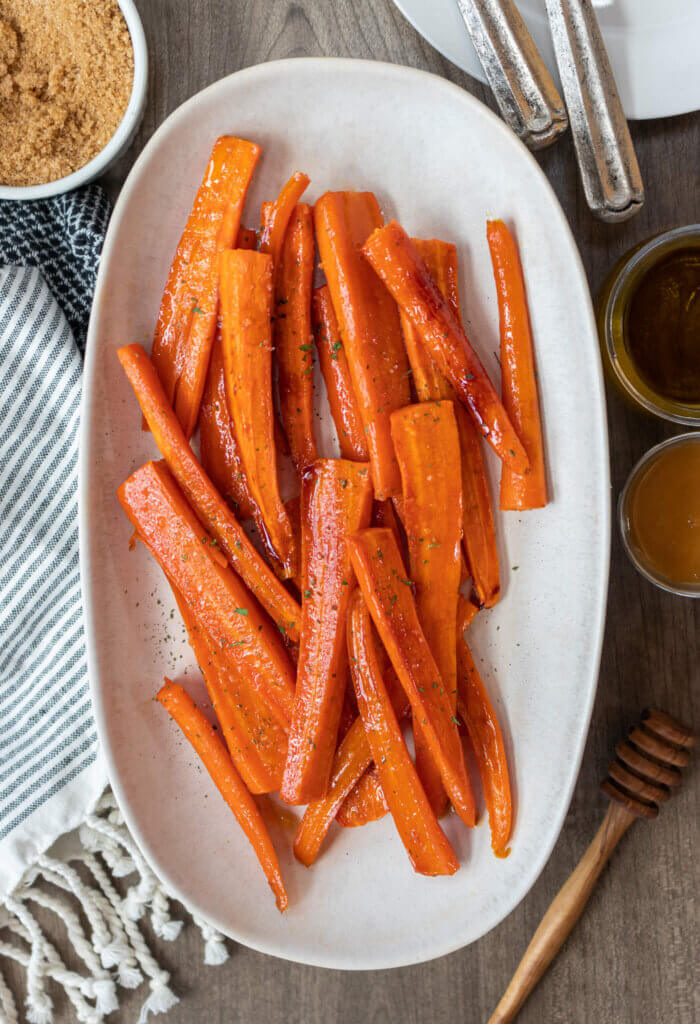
112, 949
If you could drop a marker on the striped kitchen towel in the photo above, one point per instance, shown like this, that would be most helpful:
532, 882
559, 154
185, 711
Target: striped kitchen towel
52, 780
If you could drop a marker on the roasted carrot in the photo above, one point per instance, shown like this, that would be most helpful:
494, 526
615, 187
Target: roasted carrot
336, 500
519, 375
395, 259
247, 238
187, 317
366, 803
368, 322
204, 497
479, 537
427, 846
427, 447
466, 611
274, 227
476, 711
256, 742
478, 532
218, 446
388, 593
294, 337
336, 375
221, 605
246, 310
214, 756
440, 259
352, 758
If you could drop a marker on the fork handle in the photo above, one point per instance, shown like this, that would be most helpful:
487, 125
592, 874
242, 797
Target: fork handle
524, 90
607, 162
563, 913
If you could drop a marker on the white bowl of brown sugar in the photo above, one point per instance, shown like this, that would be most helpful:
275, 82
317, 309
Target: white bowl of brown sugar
73, 77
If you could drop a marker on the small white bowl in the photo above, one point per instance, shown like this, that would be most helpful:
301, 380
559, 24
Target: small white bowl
122, 137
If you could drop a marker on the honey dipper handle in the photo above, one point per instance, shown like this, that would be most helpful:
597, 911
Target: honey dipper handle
563, 914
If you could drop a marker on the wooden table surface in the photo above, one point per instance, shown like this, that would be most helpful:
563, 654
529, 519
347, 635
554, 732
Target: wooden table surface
634, 956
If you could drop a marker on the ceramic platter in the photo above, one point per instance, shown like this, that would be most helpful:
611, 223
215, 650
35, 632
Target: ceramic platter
442, 163
652, 45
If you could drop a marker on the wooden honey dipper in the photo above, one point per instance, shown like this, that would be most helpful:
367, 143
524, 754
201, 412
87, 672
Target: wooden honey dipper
645, 773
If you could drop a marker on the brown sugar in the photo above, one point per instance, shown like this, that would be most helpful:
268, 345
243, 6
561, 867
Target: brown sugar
66, 72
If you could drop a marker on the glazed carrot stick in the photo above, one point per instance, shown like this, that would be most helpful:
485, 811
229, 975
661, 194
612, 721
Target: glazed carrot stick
246, 309
256, 743
519, 375
479, 537
212, 752
336, 500
247, 238
203, 496
427, 447
336, 375
466, 611
222, 606
352, 758
294, 337
187, 317
366, 803
388, 593
368, 322
440, 259
275, 223
394, 257
218, 447
476, 711
427, 846
478, 532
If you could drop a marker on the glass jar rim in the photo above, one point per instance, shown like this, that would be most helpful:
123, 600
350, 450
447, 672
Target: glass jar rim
670, 410
681, 590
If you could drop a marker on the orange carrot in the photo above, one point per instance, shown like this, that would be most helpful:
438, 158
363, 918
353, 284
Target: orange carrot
476, 711
388, 593
219, 450
466, 611
211, 751
519, 376
275, 224
247, 239
336, 374
246, 309
479, 536
187, 317
294, 337
397, 262
204, 497
427, 447
427, 846
478, 532
368, 322
365, 804
222, 606
440, 259
336, 500
256, 743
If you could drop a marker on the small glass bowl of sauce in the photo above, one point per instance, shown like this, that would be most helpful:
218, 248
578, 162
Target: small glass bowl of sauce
659, 514
649, 323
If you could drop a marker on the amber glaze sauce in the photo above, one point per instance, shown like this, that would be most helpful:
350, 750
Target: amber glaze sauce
663, 512
663, 326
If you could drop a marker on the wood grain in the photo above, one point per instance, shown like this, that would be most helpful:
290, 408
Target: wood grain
634, 955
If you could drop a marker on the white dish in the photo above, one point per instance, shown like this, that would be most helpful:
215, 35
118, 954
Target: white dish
123, 136
652, 45
353, 124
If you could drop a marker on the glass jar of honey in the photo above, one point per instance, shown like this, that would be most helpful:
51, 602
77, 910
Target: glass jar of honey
659, 515
649, 324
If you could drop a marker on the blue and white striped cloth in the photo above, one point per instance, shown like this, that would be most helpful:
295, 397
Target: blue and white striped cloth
50, 771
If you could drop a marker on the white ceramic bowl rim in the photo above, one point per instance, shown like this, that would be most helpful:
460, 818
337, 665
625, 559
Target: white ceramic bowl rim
99, 163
